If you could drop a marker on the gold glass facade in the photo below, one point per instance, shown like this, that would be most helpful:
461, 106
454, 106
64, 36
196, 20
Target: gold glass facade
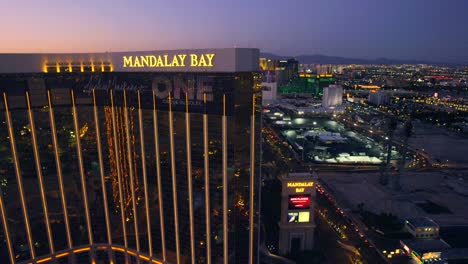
129, 167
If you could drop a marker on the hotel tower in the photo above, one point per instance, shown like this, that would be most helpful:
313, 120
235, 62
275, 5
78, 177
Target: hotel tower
130, 157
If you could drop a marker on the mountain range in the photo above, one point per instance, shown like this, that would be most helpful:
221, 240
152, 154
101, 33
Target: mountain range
324, 59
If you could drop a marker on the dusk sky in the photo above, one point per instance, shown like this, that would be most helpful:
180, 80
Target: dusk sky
433, 30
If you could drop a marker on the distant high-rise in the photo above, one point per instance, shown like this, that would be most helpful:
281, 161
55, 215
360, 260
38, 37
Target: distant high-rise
378, 98
138, 157
323, 69
291, 68
332, 95
269, 92
280, 71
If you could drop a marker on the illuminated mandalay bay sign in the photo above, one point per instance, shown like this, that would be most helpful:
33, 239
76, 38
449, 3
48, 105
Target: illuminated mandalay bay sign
176, 60
300, 184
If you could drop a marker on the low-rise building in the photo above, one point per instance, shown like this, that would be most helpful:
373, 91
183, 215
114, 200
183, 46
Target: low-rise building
423, 250
422, 227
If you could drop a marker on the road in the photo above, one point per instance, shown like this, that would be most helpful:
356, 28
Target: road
326, 241
352, 231
370, 244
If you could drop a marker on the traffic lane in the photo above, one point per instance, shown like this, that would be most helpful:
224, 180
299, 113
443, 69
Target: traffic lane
353, 230
327, 242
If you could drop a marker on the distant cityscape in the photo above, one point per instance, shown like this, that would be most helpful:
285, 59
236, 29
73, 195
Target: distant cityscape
386, 144
226, 156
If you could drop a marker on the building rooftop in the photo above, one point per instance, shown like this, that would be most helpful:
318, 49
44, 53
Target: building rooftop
425, 245
299, 175
422, 222
191, 60
455, 254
